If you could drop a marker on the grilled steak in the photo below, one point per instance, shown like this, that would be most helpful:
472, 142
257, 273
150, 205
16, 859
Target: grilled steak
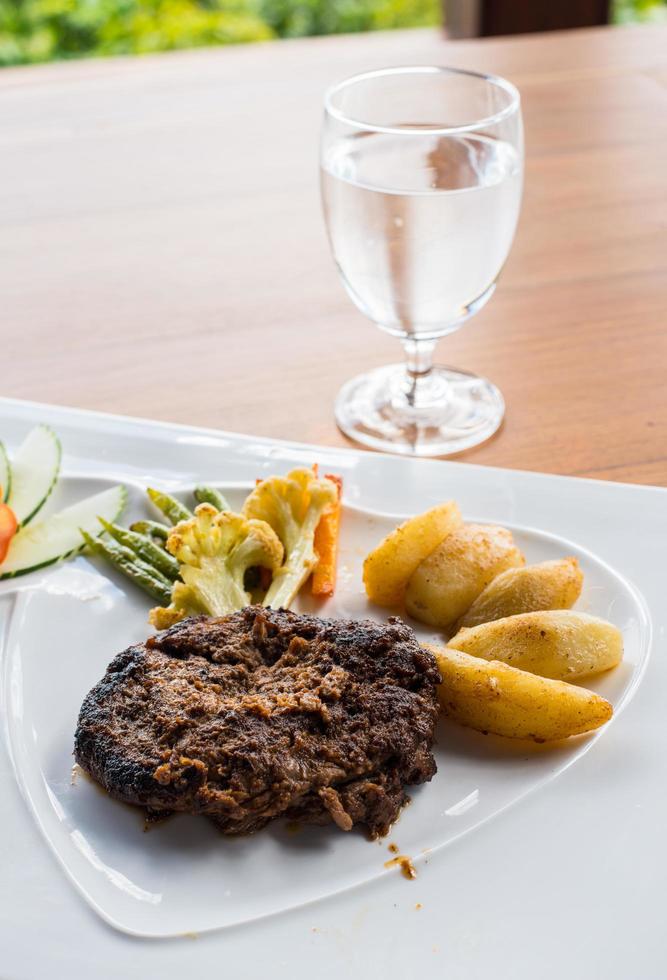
264, 714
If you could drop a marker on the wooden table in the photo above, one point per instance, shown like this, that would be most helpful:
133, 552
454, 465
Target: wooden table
162, 252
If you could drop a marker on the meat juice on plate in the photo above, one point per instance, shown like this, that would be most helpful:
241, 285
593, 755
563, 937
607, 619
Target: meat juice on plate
420, 226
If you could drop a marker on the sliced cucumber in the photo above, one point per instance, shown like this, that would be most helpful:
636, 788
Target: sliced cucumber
59, 536
34, 473
5, 475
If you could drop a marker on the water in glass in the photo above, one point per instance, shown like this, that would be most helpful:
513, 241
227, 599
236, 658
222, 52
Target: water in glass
420, 226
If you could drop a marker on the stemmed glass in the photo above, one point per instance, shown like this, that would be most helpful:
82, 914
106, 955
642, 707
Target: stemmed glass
422, 172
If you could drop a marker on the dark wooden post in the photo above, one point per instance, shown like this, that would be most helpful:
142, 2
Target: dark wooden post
484, 18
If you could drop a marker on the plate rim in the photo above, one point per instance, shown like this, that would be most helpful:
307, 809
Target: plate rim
134, 421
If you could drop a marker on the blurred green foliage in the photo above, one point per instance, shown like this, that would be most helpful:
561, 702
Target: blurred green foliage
296, 18
645, 11
43, 30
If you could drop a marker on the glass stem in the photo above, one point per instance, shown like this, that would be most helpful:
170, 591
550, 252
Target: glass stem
419, 364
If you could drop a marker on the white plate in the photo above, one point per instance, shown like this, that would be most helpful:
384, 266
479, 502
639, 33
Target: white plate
477, 860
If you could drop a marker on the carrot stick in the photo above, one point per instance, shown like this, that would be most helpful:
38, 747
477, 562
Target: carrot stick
326, 544
8, 527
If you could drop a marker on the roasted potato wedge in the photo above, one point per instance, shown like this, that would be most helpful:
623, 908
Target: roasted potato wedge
447, 582
549, 585
389, 566
494, 698
559, 643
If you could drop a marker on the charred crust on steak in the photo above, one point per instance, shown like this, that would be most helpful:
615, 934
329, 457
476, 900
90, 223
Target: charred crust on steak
264, 714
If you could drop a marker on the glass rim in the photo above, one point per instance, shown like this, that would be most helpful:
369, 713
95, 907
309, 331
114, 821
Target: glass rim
497, 80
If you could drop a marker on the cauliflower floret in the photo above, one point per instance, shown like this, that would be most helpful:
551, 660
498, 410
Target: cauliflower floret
214, 550
293, 506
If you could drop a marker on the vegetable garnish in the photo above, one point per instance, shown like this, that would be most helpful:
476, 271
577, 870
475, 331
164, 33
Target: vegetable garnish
140, 551
215, 562
215, 549
8, 527
144, 548
293, 505
28, 540
127, 562
152, 528
326, 544
172, 509
50, 539
209, 495
35, 468
5, 475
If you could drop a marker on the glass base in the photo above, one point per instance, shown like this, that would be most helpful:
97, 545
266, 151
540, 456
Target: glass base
444, 412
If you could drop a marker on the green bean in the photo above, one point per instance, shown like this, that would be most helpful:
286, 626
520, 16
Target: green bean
209, 495
152, 528
144, 548
126, 561
172, 509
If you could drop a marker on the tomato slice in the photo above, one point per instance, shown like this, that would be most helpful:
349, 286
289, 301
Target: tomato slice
8, 528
